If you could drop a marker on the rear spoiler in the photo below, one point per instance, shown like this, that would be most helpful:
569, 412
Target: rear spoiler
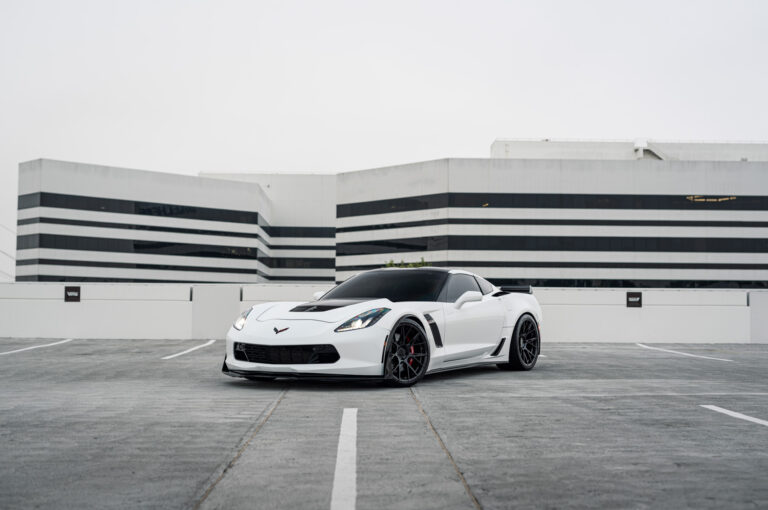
522, 289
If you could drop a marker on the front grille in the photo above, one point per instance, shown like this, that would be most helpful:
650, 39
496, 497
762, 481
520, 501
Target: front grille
286, 354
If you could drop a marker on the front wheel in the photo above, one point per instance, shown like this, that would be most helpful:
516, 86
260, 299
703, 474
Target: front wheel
525, 346
407, 355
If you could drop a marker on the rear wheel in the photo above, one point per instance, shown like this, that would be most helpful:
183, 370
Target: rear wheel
525, 346
407, 355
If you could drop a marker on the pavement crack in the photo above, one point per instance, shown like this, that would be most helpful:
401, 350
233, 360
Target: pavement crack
467, 488
249, 435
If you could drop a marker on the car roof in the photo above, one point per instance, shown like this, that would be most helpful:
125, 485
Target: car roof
425, 268
422, 268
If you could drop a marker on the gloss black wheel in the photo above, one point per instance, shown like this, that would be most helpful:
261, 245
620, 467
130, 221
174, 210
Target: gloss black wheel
407, 355
525, 346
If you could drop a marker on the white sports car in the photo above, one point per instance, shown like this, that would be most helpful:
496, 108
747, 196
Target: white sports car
394, 325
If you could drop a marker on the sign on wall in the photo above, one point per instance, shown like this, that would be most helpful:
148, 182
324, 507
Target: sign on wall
72, 294
634, 299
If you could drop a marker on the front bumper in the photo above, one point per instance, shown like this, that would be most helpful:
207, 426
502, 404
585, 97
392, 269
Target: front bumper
360, 352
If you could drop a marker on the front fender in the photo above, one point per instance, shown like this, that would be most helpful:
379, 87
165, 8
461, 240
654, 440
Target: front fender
398, 312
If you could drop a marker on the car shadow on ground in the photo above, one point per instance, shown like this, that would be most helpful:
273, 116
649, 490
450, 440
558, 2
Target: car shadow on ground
309, 385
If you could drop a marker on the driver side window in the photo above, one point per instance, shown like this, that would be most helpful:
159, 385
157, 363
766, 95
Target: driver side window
457, 285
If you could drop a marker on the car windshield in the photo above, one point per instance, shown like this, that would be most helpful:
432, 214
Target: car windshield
407, 285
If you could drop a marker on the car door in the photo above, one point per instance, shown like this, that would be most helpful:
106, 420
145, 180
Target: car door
475, 327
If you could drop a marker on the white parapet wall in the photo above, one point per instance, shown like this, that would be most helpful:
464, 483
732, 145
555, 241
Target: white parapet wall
38, 310
668, 315
128, 310
191, 311
758, 306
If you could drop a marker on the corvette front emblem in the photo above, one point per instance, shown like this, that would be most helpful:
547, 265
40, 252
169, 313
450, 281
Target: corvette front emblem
279, 330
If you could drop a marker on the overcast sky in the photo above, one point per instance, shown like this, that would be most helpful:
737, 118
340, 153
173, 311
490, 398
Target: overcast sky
325, 86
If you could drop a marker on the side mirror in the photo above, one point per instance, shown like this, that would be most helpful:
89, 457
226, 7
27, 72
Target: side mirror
317, 295
468, 297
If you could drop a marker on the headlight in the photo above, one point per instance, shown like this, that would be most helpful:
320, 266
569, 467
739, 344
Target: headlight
363, 320
240, 322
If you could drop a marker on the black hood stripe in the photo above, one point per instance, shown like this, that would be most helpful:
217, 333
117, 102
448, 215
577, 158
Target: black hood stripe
327, 304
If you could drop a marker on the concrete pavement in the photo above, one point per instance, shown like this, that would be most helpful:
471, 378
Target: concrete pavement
110, 424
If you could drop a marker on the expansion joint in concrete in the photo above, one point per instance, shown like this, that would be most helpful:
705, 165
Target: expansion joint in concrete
218, 475
440, 441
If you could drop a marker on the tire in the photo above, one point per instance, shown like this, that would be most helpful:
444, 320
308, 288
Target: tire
525, 347
407, 357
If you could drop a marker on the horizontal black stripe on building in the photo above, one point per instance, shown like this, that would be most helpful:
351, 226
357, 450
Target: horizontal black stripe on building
158, 267
529, 221
91, 279
276, 278
61, 242
298, 262
572, 265
299, 231
553, 201
78, 279
647, 284
554, 243
674, 284
661, 284
130, 265
174, 230
114, 205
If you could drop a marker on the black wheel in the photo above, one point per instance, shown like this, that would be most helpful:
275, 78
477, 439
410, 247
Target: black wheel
525, 346
407, 355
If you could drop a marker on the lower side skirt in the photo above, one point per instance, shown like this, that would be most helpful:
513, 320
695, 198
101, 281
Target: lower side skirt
483, 363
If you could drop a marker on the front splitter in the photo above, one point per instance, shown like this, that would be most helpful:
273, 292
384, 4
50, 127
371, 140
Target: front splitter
298, 375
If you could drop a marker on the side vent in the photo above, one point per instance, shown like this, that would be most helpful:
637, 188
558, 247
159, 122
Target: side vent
497, 350
384, 350
435, 330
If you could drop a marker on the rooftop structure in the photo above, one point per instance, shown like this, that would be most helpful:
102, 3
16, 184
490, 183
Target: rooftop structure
628, 150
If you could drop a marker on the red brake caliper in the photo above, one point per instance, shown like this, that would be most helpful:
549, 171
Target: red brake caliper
408, 340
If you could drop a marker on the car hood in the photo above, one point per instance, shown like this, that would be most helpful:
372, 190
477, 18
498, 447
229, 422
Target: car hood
328, 310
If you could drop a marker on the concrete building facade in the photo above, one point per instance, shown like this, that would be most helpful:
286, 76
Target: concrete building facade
80, 222
557, 223
547, 213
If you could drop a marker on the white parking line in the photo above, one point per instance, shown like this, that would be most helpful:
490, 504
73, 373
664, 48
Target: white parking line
735, 414
344, 492
682, 353
36, 347
206, 344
